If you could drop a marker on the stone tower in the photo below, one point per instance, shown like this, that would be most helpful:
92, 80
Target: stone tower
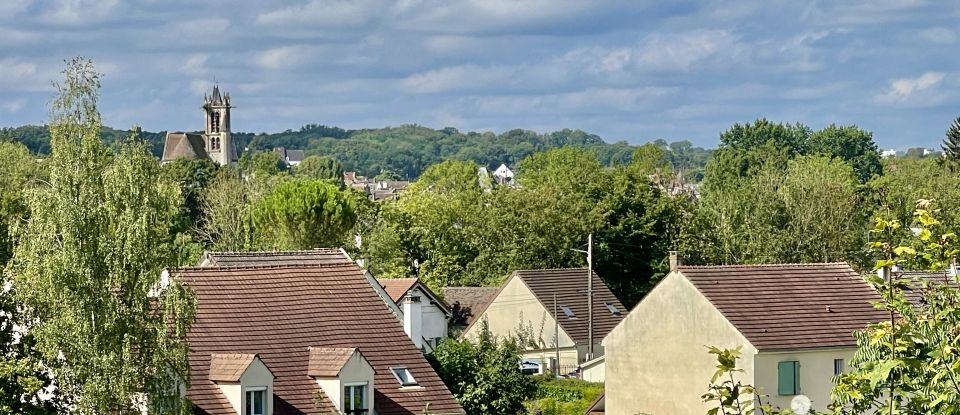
219, 144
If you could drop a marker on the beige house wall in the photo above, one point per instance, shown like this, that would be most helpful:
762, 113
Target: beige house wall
594, 372
656, 358
516, 307
356, 370
569, 357
257, 375
816, 374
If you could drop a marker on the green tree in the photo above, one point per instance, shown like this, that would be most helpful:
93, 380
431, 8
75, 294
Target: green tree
87, 266
19, 170
226, 204
192, 176
320, 168
262, 164
951, 145
485, 375
303, 214
910, 364
851, 144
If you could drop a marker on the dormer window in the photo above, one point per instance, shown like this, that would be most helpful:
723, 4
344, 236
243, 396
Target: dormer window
256, 401
613, 309
567, 311
355, 399
403, 376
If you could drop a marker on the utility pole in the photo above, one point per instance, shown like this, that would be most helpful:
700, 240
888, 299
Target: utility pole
590, 297
556, 336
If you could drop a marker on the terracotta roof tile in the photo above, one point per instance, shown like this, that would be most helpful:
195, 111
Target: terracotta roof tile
790, 306
328, 361
228, 367
397, 287
280, 312
570, 287
467, 302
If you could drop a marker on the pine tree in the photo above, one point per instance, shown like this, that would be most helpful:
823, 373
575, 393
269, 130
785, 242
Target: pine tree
951, 145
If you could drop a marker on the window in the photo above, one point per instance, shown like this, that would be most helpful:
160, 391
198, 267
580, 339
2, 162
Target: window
567, 311
613, 309
215, 143
256, 401
355, 399
788, 378
838, 366
215, 122
403, 376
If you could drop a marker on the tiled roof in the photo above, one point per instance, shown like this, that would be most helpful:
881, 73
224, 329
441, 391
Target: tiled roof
319, 256
280, 312
184, 145
228, 367
790, 306
570, 287
328, 361
397, 287
467, 302
914, 286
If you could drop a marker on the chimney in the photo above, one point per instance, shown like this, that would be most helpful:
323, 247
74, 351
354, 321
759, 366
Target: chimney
675, 260
412, 319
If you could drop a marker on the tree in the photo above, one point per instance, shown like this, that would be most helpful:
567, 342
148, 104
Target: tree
192, 176
87, 266
225, 205
485, 375
262, 164
19, 170
851, 144
303, 214
321, 168
910, 364
951, 144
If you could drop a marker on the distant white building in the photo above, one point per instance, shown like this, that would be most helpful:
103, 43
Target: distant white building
888, 153
503, 175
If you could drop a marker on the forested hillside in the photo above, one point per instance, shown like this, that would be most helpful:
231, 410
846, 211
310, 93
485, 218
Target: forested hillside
406, 151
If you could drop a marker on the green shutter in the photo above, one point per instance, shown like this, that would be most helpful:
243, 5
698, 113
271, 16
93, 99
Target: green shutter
788, 376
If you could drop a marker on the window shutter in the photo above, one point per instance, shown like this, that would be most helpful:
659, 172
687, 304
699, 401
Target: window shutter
788, 376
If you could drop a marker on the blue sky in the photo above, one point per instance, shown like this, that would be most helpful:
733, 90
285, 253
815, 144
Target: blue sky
630, 70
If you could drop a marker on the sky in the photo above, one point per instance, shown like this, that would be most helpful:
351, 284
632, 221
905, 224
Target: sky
632, 70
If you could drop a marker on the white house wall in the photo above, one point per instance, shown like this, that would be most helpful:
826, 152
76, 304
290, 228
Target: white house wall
656, 358
816, 374
516, 307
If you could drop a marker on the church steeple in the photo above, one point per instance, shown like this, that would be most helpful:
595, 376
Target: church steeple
219, 144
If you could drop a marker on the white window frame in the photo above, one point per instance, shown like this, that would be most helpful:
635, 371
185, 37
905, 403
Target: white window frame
248, 403
411, 383
351, 386
613, 309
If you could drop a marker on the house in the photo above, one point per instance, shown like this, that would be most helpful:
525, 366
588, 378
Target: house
216, 142
466, 303
425, 324
794, 324
299, 339
289, 156
503, 175
539, 301
415, 298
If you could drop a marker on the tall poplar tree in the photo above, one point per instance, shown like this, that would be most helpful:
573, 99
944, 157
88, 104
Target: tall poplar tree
87, 266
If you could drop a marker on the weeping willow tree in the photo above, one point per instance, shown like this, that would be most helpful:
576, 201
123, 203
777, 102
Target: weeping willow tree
87, 266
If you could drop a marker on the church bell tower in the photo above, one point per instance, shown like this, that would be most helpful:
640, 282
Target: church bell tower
219, 144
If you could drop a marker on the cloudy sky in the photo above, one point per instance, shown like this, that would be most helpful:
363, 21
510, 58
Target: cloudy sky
632, 70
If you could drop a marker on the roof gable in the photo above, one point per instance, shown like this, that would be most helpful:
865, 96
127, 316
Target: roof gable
467, 302
570, 286
789, 306
397, 288
329, 361
184, 145
280, 312
229, 367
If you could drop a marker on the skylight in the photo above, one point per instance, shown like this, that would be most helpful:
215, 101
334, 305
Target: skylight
403, 376
567, 311
613, 309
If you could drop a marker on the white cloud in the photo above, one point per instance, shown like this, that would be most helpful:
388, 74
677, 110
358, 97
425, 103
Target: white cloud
12, 106
919, 91
661, 52
457, 77
14, 70
285, 56
326, 13
196, 64
78, 12
200, 30
941, 35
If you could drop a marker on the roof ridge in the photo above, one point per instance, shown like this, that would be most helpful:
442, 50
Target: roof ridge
552, 269
265, 253
786, 264
262, 266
